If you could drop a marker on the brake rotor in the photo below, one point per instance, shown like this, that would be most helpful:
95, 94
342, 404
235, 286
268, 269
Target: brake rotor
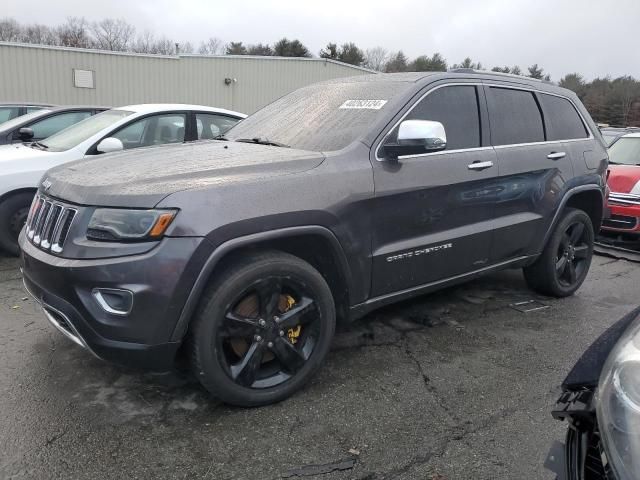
249, 307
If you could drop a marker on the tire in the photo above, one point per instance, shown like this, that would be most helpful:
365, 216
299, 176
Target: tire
263, 327
13, 214
565, 260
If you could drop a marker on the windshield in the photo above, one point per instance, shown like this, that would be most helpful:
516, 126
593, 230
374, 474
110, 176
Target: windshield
626, 151
81, 131
321, 117
11, 124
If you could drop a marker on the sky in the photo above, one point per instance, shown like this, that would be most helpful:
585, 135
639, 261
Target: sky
594, 38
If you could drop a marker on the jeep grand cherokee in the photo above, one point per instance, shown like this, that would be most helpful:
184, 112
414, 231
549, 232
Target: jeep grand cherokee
334, 200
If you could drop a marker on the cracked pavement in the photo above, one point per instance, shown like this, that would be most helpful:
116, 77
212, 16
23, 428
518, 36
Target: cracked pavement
453, 385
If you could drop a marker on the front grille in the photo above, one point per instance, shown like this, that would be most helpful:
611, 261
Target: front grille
620, 222
624, 198
48, 223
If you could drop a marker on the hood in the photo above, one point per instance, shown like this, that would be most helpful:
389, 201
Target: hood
19, 152
623, 178
141, 178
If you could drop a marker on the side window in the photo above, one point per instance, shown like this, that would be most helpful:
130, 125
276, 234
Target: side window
50, 125
7, 113
514, 116
456, 107
210, 125
153, 130
563, 122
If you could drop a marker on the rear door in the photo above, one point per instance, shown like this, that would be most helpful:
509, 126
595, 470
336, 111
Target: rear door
432, 213
534, 171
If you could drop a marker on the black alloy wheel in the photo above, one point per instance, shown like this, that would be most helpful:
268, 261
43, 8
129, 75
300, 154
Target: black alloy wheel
269, 333
564, 263
264, 326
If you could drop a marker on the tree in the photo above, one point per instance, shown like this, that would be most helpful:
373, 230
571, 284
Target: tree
424, 63
10, 30
186, 47
213, 46
351, 54
235, 48
39, 34
575, 82
74, 33
290, 48
112, 34
501, 69
515, 70
330, 51
396, 63
263, 50
535, 71
468, 63
375, 58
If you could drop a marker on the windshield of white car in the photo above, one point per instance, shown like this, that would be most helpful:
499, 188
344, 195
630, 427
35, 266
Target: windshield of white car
626, 151
322, 117
81, 131
15, 122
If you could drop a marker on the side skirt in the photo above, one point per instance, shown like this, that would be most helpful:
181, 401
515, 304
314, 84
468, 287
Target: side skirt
361, 309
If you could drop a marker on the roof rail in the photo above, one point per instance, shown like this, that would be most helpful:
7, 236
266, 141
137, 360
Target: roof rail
487, 72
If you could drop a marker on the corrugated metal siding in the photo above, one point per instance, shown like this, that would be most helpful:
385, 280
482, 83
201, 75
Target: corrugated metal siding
45, 74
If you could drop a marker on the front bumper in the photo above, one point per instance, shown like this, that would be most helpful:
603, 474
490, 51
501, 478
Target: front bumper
159, 280
623, 219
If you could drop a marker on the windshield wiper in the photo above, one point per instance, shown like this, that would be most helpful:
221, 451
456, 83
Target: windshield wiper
39, 145
262, 141
221, 137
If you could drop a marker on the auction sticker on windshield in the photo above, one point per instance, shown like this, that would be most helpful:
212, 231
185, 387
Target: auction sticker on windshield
366, 104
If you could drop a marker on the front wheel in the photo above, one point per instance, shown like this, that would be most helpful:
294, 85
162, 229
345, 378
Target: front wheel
565, 260
264, 326
13, 215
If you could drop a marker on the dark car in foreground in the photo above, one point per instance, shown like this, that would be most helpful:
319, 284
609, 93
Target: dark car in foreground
9, 111
42, 123
336, 199
601, 404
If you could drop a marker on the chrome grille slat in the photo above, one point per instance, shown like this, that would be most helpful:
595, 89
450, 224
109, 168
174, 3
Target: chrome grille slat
49, 224
42, 219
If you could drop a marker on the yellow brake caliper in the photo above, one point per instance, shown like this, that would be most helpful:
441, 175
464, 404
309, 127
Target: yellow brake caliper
292, 333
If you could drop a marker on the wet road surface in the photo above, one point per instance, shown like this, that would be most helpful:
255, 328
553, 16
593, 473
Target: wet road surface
454, 385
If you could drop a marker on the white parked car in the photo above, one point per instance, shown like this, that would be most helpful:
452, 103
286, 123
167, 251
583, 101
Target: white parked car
133, 126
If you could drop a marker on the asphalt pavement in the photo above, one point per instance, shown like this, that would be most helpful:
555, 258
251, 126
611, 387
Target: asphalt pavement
454, 385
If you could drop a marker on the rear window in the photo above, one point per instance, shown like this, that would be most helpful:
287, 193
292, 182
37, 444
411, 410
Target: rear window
515, 117
562, 119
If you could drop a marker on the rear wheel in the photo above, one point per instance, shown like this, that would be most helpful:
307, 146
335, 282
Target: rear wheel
565, 261
263, 328
13, 215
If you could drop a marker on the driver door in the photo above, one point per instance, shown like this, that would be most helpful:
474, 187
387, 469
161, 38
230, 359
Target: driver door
434, 213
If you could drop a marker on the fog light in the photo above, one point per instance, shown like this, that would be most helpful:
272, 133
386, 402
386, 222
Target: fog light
113, 300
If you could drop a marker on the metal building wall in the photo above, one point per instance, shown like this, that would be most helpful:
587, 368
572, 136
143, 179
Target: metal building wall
45, 74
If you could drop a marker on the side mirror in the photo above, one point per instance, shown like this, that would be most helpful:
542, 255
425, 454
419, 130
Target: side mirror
25, 134
110, 144
416, 137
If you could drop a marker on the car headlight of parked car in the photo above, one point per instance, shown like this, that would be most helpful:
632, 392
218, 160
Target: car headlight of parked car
116, 224
618, 406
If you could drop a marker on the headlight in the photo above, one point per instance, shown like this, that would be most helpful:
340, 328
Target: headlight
115, 224
618, 405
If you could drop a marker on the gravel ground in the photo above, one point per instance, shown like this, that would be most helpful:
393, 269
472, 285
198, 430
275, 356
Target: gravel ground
454, 385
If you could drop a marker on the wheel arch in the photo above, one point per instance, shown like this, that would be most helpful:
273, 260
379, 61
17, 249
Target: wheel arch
17, 191
315, 244
588, 198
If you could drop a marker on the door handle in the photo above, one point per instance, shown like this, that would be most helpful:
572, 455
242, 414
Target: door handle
556, 155
480, 165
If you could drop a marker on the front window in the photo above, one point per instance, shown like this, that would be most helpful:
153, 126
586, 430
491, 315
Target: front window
7, 113
322, 117
626, 151
54, 124
153, 130
78, 133
18, 121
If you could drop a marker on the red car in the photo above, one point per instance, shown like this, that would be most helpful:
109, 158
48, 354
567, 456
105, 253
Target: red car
624, 183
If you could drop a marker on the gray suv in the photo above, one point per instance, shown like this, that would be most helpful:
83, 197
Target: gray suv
339, 198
